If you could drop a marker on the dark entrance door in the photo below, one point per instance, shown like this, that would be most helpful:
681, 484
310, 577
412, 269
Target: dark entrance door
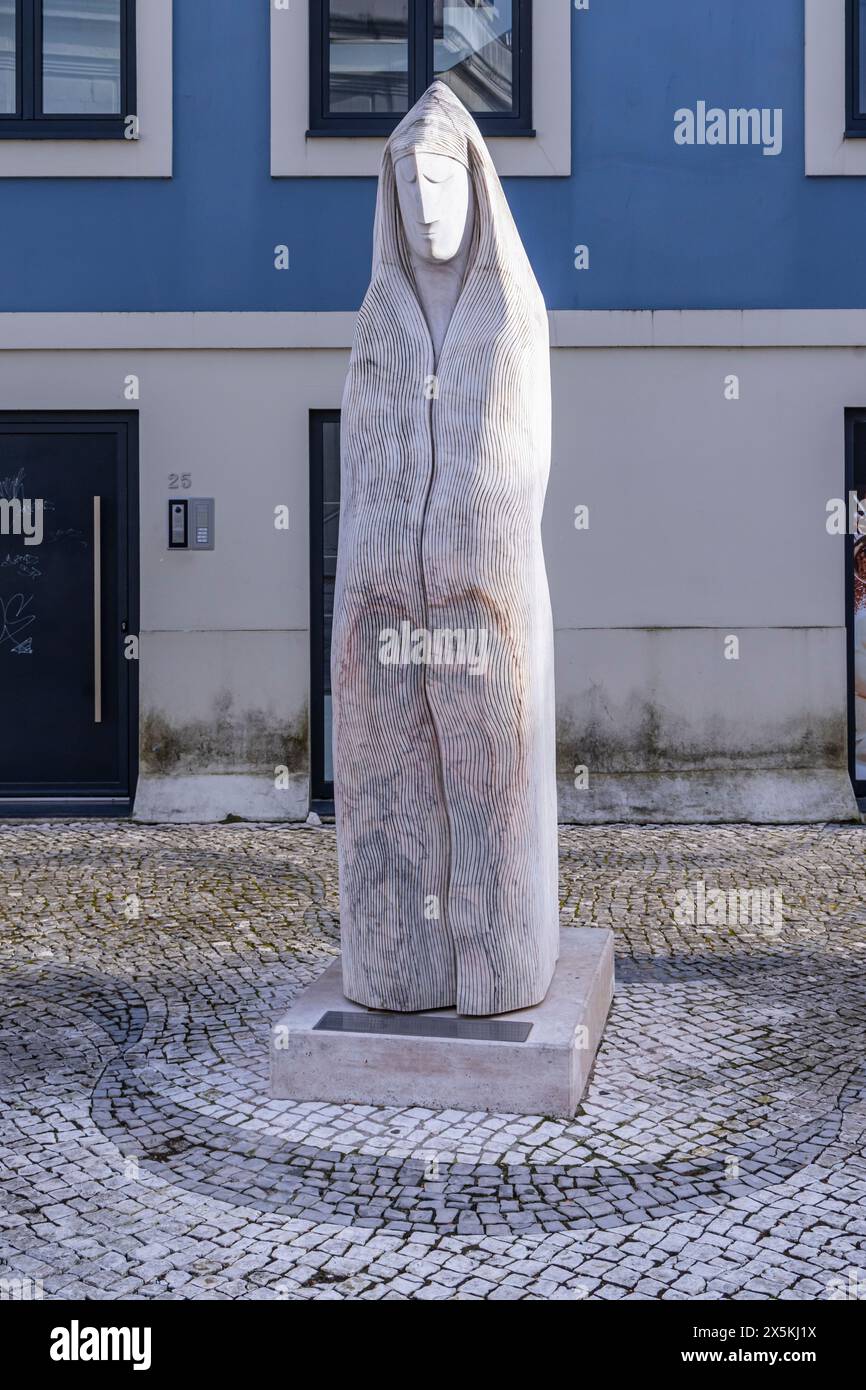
68, 603
324, 533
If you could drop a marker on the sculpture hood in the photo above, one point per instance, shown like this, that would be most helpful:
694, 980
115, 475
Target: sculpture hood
440, 124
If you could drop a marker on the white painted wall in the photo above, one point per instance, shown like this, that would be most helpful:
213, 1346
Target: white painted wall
707, 518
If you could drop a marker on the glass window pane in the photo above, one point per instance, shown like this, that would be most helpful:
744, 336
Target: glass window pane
369, 56
861, 103
81, 57
330, 495
330, 535
328, 739
7, 57
473, 52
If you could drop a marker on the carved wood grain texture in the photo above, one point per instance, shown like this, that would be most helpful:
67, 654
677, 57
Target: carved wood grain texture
444, 774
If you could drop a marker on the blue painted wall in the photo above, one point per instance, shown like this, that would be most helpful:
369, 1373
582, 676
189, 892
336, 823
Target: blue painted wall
667, 226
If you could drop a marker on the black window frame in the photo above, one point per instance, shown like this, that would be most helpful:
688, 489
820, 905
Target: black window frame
855, 120
324, 123
321, 791
29, 121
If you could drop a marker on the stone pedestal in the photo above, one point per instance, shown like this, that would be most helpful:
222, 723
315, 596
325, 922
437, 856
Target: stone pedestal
533, 1062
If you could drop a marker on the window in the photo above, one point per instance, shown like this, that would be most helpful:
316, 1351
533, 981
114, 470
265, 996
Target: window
67, 68
856, 68
370, 61
832, 78
324, 531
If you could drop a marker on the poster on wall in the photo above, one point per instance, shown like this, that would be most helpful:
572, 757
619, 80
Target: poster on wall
856, 602
859, 638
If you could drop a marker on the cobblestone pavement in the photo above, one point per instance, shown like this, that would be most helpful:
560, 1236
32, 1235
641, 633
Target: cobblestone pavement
718, 1152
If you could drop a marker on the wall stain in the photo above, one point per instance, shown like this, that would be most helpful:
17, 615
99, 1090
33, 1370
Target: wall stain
232, 740
646, 738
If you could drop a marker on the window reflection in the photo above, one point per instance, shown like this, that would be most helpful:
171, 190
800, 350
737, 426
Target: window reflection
81, 57
330, 535
473, 51
7, 58
369, 56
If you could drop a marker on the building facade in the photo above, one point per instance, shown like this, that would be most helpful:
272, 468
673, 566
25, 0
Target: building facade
188, 197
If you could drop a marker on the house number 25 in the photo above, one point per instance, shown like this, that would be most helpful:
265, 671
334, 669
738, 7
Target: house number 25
179, 480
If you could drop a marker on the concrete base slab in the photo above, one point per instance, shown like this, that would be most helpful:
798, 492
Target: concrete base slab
328, 1049
211, 797
706, 798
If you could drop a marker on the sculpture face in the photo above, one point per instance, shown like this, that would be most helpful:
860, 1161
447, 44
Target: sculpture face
435, 200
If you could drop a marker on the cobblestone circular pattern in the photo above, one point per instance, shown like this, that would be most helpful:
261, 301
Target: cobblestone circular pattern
718, 1152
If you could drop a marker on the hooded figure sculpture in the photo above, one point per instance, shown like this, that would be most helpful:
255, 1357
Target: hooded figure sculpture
442, 651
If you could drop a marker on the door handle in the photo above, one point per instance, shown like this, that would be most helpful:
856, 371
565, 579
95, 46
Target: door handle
97, 610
